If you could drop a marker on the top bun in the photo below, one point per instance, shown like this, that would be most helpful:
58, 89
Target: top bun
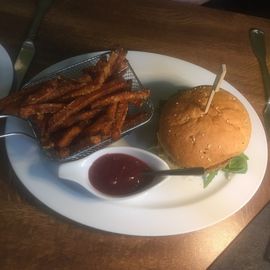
191, 138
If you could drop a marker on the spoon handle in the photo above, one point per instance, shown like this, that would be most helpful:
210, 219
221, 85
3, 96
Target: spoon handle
183, 171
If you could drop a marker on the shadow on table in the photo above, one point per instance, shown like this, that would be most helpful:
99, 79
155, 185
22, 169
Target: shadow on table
249, 250
260, 8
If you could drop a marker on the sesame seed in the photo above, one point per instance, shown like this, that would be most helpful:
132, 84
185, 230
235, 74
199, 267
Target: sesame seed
193, 139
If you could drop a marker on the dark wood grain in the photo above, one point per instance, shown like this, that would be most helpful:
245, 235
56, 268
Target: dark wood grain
34, 237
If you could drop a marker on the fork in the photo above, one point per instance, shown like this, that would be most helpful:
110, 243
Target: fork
258, 45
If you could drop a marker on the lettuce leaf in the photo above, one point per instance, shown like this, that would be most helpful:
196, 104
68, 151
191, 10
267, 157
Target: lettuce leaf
208, 177
237, 164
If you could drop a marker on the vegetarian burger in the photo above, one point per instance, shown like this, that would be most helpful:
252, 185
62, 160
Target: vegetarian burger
191, 138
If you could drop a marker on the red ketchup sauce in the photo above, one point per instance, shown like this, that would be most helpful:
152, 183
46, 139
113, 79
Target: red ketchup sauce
119, 174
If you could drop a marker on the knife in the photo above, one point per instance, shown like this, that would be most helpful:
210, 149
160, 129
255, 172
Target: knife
27, 50
258, 45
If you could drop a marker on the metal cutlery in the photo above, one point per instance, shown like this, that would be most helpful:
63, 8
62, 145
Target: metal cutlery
258, 45
27, 50
182, 171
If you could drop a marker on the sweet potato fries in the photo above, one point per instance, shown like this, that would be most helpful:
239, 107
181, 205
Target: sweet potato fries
71, 114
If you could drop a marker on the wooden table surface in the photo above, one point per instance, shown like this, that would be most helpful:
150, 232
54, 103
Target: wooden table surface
32, 236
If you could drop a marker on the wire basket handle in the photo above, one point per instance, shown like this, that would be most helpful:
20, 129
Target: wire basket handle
15, 133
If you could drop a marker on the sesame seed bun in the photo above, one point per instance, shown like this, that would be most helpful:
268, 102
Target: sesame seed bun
191, 138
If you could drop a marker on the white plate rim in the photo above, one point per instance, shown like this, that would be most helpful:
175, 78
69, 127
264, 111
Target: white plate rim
6, 72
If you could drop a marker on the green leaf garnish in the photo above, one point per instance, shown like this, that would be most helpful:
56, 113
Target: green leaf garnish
237, 164
208, 177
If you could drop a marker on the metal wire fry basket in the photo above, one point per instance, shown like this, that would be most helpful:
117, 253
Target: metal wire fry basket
75, 70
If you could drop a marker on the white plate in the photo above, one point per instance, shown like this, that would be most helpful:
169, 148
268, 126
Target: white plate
181, 204
6, 72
